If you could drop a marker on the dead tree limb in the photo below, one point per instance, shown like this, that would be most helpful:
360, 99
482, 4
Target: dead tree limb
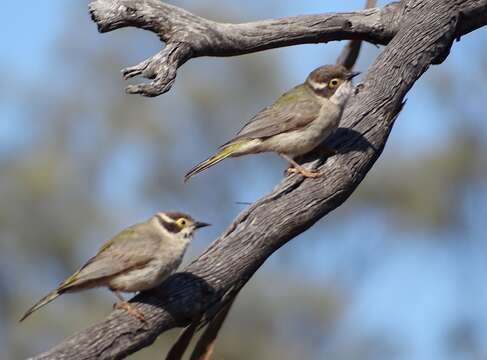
188, 36
206, 343
424, 35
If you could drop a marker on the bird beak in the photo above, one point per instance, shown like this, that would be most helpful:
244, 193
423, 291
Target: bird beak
200, 224
353, 74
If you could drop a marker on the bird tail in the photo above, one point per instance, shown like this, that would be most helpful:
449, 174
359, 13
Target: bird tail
225, 151
44, 301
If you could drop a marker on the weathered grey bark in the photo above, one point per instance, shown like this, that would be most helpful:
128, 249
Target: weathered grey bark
204, 348
424, 32
187, 35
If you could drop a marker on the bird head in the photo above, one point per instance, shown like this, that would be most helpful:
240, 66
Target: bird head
332, 82
177, 223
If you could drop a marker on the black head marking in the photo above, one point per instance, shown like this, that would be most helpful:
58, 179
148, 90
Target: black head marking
172, 227
175, 215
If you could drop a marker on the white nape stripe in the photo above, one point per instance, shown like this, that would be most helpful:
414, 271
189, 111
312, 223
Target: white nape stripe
161, 227
165, 217
318, 86
184, 235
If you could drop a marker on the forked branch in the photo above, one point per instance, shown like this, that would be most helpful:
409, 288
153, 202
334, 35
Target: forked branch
187, 35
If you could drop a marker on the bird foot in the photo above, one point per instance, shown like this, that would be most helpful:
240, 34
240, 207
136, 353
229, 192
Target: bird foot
124, 305
304, 172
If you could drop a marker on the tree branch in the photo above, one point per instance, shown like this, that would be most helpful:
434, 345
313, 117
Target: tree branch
187, 35
428, 28
349, 55
206, 344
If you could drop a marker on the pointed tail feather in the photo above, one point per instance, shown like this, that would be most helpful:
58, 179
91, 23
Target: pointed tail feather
225, 152
44, 301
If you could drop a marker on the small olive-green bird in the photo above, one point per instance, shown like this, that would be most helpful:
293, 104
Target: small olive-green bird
295, 124
136, 259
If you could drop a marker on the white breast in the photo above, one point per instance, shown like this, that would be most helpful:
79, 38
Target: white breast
299, 142
147, 277
152, 274
343, 93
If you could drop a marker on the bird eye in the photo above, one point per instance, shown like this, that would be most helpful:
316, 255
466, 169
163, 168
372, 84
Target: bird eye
334, 83
181, 222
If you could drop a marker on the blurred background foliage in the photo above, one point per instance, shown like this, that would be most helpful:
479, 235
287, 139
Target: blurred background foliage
396, 273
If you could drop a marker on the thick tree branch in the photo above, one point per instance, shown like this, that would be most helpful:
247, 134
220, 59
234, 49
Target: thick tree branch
187, 35
427, 30
206, 344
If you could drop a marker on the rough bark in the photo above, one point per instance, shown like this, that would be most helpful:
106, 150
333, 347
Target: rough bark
424, 32
187, 35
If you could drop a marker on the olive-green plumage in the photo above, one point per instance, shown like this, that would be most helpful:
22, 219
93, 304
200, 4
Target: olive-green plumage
296, 123
138, 258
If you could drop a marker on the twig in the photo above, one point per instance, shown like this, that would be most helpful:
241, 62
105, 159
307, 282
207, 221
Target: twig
206, 344
179, 348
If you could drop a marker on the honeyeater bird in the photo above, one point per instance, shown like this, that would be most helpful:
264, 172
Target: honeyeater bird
295, 124
136, 259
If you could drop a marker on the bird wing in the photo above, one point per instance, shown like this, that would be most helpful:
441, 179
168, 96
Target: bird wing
293, 110
116, 256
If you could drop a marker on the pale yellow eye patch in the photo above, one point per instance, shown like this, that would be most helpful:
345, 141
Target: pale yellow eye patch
182, 223
334, 83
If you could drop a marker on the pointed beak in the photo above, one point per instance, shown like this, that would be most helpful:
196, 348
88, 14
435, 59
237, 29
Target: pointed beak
353, 74
199, 224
